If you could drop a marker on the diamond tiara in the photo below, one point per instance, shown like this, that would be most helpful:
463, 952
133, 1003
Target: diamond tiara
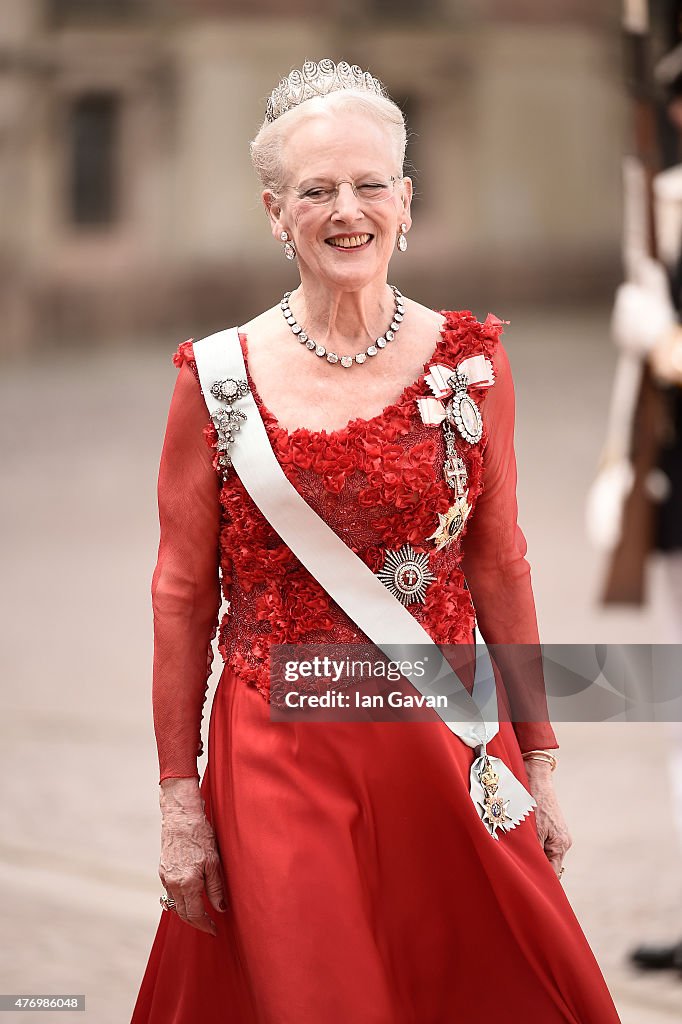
319, 79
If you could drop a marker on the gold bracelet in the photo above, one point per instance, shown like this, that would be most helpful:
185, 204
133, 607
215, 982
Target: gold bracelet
541, 755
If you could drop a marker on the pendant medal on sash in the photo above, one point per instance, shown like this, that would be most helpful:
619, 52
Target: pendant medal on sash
494, 807
499, 798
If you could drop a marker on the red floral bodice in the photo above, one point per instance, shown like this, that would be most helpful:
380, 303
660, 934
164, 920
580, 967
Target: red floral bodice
379, 484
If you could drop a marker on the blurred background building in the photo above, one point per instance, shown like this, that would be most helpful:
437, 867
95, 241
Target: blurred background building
127, 199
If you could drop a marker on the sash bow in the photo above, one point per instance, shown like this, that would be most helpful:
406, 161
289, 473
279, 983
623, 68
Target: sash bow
476, 369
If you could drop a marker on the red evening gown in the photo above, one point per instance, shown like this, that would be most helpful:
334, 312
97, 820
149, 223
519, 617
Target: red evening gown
362, 885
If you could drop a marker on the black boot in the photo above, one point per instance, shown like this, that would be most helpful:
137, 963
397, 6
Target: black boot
658, 957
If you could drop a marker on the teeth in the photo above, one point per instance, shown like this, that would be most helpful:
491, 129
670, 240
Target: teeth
349, 243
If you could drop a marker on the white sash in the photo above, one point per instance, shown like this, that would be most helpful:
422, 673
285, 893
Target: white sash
350, 581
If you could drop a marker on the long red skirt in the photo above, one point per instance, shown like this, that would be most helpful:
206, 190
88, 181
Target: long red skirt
363, 888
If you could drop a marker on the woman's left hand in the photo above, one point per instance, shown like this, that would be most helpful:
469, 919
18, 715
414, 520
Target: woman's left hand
552, 830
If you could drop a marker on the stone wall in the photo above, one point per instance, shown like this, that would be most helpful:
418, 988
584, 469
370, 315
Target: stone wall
518, 125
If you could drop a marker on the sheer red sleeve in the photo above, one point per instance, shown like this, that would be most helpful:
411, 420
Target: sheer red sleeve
498, 575
186, 584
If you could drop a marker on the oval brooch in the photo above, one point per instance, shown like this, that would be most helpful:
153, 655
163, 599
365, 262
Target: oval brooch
461, 411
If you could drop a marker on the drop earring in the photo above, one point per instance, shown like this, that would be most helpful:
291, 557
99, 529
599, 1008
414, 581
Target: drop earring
289, 247
402, 240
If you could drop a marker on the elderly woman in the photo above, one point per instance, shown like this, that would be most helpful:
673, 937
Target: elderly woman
344, 871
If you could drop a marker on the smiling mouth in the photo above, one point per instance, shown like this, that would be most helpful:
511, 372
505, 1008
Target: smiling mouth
349, 241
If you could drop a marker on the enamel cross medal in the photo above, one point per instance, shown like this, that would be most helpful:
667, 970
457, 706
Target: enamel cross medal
455, 473
454, 467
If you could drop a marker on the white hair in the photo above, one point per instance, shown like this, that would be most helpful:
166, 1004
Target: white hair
266, 147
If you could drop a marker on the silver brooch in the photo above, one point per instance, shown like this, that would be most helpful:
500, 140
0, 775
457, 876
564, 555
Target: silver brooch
230, 389
461, 411
406, 574
227, 421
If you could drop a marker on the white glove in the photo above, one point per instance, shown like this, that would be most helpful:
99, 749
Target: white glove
642, 310
605, 501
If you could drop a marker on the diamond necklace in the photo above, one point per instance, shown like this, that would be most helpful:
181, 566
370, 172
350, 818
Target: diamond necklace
360, 357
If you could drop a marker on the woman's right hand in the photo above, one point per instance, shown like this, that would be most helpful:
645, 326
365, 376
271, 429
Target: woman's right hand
189, 854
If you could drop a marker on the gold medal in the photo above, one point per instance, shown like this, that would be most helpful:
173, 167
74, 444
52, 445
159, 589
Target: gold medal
489, 777
494, 807
495, 812
450, 525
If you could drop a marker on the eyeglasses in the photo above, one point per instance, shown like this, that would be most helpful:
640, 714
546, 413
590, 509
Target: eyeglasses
370, 191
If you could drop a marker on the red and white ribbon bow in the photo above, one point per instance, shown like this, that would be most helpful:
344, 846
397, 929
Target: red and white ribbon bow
477, 369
